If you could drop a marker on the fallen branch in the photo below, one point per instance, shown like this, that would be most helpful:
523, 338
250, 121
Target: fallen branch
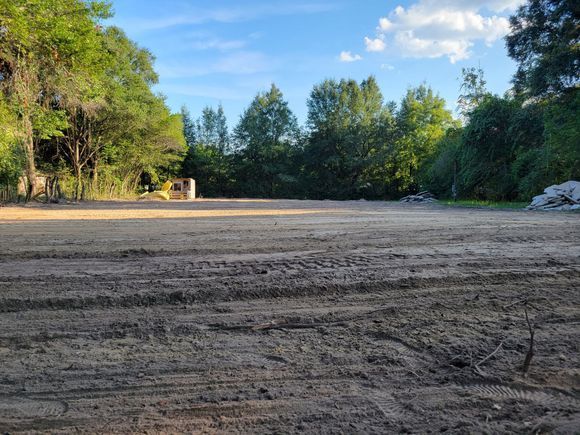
530, 353
520, 301
489, 356
284, 324
526, 301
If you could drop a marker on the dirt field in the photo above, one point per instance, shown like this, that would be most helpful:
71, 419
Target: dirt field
287, 316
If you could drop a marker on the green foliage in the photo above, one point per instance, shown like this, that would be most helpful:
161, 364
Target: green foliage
487, 150
473, 90
208, 146
267, 137
562, 134
82, 95
47, 51
529, 169
442, 170
76, 100
422, 121
350, 131
474, 203
11, 158
545, 41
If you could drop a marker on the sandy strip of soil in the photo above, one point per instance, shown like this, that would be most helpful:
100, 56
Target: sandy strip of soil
12, 214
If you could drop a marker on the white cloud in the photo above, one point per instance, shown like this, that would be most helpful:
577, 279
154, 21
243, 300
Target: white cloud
387, 67
243, 62
197, 15
377, 44
347, 56
492, 5
208, 91
436, 28
385, 24
217, 44
239, 63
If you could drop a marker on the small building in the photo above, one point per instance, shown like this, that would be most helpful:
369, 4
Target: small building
182, 188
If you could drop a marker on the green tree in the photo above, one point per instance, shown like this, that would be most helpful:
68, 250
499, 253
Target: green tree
443, 170
545, 42
41, 53
562, 138
208, 156
422, 121
267, 139
349, 130
11, 158
488, 150
189, 127
472, 90
132, 132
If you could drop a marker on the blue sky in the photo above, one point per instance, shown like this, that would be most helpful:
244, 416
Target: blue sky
225, 51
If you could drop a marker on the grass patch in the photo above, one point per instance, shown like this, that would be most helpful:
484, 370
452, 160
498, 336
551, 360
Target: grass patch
487, 204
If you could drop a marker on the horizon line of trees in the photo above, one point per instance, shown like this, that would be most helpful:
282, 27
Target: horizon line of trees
356, 145
76, 105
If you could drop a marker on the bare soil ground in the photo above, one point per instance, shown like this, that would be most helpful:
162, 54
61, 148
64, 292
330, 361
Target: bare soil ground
287, 316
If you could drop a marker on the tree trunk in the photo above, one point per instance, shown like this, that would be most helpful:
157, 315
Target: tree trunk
95, 175
30, 167
78, 180
52, 189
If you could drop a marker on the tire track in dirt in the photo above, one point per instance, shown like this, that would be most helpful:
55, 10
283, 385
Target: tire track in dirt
113, 321
546, 397
14, 407
180, 297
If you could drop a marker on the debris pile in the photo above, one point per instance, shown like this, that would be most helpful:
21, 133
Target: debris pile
424, 196
565, 196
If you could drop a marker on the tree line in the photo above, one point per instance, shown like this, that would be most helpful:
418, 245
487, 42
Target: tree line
356, 145
76, 103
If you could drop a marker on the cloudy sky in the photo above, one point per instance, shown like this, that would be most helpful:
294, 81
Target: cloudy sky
225, 51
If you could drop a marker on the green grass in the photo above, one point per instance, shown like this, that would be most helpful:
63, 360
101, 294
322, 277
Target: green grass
487, 204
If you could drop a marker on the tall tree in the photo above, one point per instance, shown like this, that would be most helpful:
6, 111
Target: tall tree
41, 53
472, 89
11, 161
132, 131
422, 121
488, 150
350, 129
545, 41
189, 127
267, 137
207, 158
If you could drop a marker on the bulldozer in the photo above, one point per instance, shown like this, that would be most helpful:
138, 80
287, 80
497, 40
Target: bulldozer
177, 188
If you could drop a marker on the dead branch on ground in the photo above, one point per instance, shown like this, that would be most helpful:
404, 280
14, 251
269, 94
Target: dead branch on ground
476, 367
526, 301
530, 353
284, 324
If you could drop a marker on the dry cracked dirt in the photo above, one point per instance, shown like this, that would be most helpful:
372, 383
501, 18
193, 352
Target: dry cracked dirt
287, 317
